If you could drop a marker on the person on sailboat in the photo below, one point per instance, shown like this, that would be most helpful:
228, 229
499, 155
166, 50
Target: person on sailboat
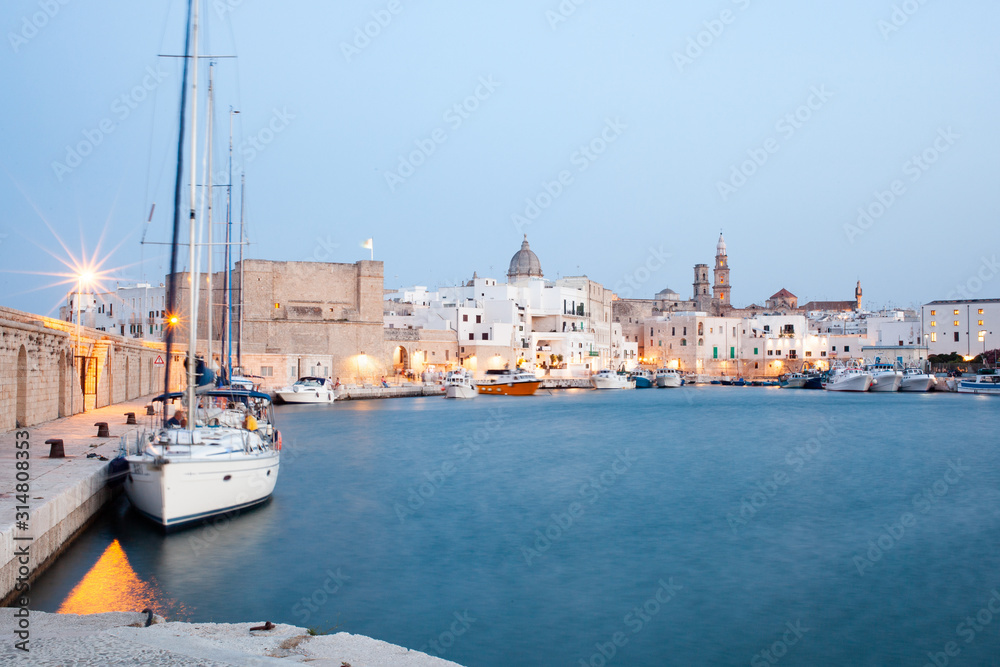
178, 420
250, 422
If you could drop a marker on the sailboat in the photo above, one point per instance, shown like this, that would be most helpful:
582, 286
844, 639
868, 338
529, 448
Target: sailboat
219, 452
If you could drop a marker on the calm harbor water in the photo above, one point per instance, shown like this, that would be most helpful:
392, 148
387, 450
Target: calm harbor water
693, 526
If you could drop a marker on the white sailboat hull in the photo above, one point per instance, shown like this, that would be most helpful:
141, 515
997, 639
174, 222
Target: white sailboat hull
184, 491
857, 382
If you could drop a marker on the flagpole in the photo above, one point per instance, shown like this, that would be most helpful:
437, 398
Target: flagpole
371, 246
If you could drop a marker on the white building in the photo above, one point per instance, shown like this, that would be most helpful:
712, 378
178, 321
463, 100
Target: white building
968, 327
135, 311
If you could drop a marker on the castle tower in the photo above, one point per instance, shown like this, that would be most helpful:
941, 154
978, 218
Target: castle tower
722, 288
857, 296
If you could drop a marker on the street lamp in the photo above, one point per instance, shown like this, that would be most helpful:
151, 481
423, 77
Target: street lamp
81, 278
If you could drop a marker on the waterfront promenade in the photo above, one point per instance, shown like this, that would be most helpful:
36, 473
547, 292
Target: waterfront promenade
112, 639
64, 493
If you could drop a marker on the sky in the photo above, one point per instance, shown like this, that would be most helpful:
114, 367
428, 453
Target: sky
829, 142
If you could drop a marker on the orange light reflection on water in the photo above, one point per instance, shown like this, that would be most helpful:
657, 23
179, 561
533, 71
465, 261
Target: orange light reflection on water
112, 585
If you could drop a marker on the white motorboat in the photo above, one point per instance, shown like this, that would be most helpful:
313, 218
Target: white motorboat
987, 382
458, 384
308, 390
226, 460
885, 377
944, 382
849, 378
914, 379
668, 378
608, 379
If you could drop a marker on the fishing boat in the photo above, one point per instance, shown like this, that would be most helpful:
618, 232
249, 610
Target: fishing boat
915, 379
804, 380
458, 384
668, 378
608, 379
308, 389
987, 382
644, 378
219, 452
945, 382
885, 377
507, 382
849, 378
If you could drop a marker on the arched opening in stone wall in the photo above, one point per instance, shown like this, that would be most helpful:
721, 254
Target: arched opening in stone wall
61, 408
21, 413
400, 359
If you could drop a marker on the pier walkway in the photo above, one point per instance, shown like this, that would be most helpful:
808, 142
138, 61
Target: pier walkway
64, 493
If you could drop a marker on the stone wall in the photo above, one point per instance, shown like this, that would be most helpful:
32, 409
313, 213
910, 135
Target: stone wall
38, 380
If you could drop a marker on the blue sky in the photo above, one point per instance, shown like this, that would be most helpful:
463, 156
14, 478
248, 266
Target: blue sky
610, 134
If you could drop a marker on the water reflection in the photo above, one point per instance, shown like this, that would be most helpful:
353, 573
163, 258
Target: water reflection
112, 585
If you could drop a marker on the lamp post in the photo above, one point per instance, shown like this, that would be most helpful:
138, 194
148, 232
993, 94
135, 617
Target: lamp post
81, 278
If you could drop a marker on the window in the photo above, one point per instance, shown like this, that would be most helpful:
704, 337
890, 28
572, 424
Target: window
659, 343
701, 342
956, 323
770, 353
701, 328
685, 331
472, 336
715, 352
755, 351
732, 352
465, 318
684, 342
901, 343
933, 312
956, 336
833, 349
673, 331
847, 348
479, 319
650, 331
980, 311
956, 311
934, 337
933, 323
267, 371
486, 336
822, 353
980, 323
809, 353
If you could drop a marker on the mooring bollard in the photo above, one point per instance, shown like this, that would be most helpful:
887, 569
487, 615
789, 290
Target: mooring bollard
130, 418
150, 410
102, 430
56, 451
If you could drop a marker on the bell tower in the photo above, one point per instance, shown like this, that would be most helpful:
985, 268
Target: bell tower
857, 297
722, 288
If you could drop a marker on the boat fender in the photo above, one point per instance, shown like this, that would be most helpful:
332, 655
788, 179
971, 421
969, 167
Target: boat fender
295, 389
278, 433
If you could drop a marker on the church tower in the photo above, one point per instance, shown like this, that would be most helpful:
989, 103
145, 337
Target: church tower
722, 288
857, 296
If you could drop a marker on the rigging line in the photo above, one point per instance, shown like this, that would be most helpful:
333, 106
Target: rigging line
178, 187
239, 94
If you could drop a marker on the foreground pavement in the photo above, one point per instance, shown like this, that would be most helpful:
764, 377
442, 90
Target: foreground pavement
119, 638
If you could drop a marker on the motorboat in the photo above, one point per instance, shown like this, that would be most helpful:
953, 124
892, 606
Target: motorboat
458, 384
223, 461
945, 382
915, 379
850, 378
644, 378
608, 379
987, 382
308, 389
507, 382
885, 377
669, 378
804, 380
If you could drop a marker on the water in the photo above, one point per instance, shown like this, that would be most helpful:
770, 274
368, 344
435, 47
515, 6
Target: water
699, 525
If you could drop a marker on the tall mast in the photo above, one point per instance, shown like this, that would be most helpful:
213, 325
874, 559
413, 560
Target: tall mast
192, 236
211, 196
229, 251
243, 209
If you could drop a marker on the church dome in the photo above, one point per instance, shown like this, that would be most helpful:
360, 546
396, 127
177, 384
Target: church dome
668, 295
524, 263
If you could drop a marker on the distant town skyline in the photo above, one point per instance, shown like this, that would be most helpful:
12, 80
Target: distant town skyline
830, 144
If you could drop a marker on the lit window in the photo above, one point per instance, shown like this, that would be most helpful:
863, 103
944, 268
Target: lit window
956, 311
956, 323
933, 312
934, 337
933, 323
980, 311
980, 323
982, 336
